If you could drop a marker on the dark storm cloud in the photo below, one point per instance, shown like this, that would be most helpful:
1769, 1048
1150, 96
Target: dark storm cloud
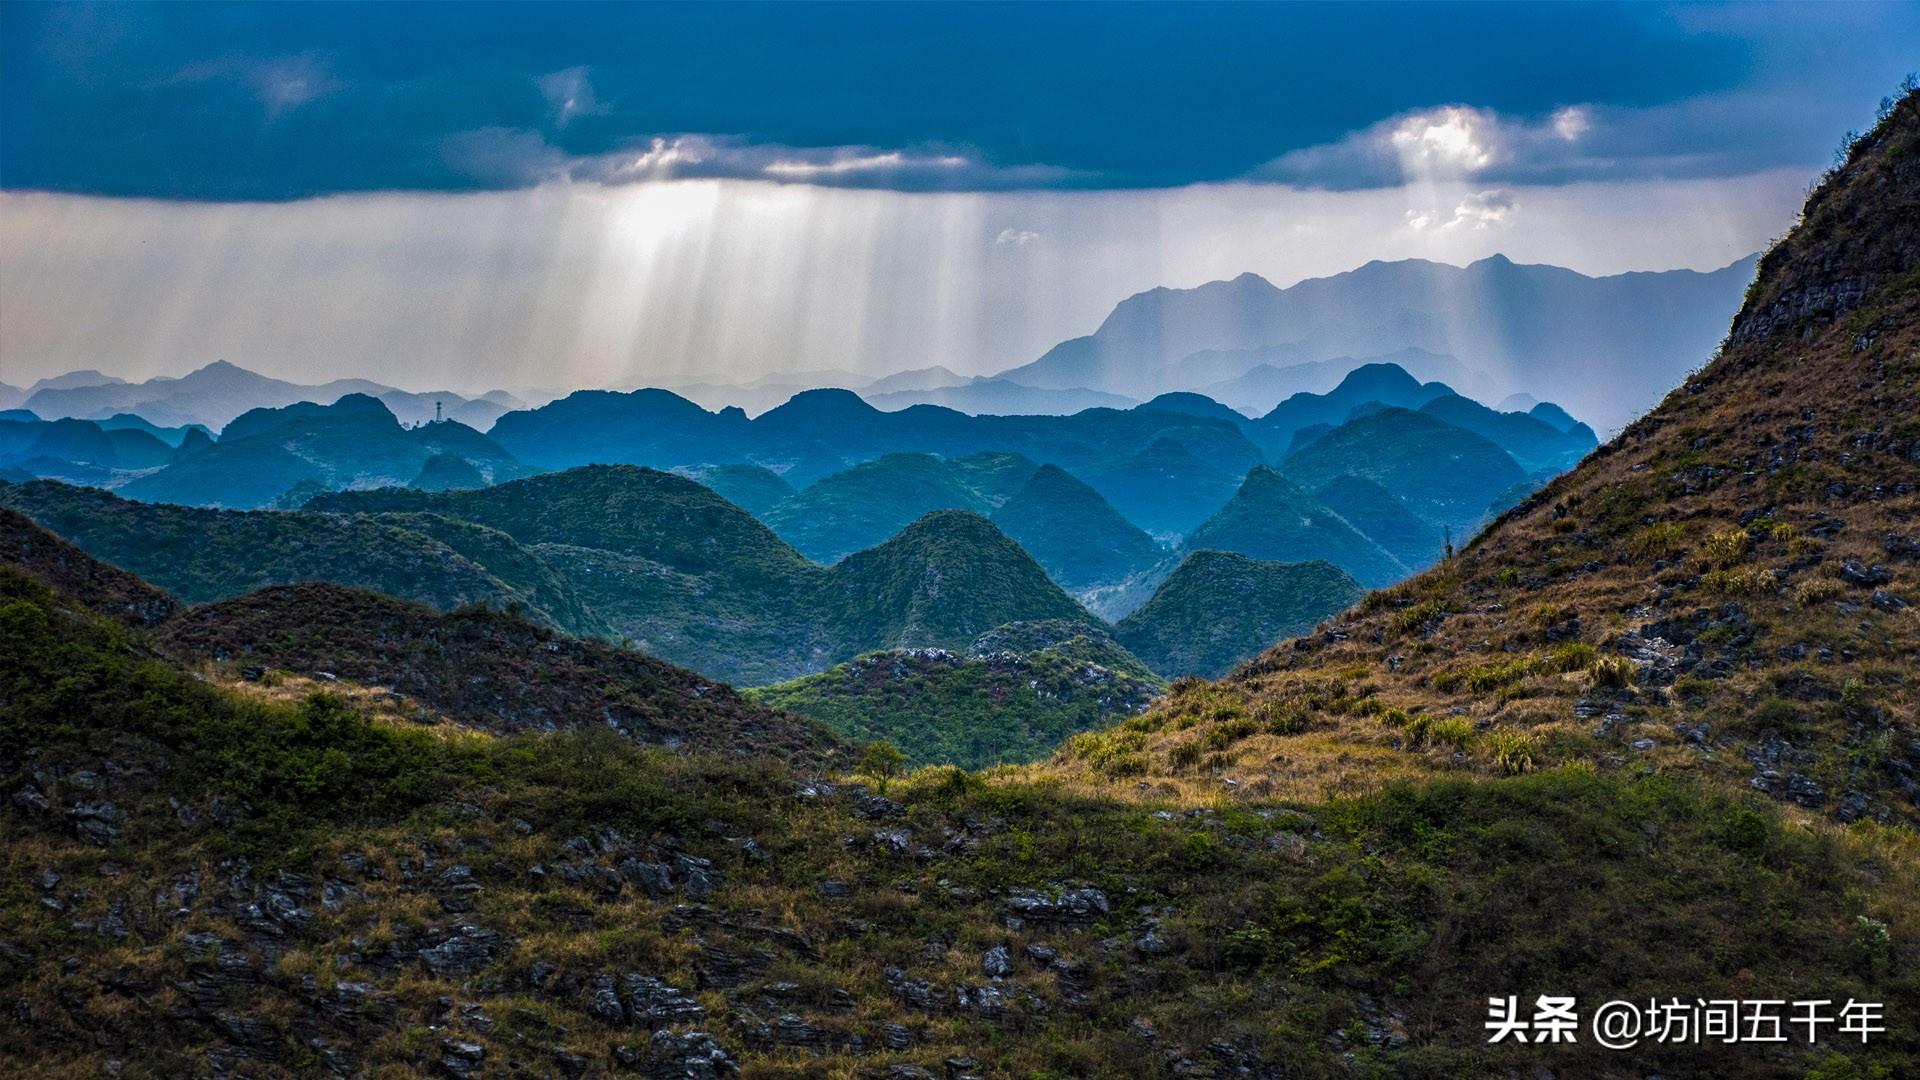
284, 101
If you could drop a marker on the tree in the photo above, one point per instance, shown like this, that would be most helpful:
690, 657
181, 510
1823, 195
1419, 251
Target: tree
882, 761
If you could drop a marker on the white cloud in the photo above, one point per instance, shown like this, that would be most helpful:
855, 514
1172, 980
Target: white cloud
1571, 123
1484, 208
280, 83
1479, 210
709, 157
570, 94
1451, 140
1015, 237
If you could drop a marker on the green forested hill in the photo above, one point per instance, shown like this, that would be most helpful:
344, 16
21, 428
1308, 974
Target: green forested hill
1014, 695
848, 511
1219, 608
1271, 518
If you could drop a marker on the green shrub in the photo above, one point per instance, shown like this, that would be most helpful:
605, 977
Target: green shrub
1658, 540
1724, 549
1512, 752
1746, 581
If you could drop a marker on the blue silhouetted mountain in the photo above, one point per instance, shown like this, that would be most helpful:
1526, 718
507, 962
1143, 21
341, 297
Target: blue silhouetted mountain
1164, 488
1194, 405
1364, 389
355, 442
1272, 518
1384, 519
645, 427
1609, 346
172, 436
1075, 534
1000, 397
1553, 414
67, 447
215, 394
754, 488
1534, 442
1443, 473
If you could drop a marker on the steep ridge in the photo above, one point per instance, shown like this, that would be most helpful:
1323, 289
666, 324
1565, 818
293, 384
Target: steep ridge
77, 576
1728, 588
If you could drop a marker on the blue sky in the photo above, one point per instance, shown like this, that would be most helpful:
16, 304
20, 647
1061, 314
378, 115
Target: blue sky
467, 196
282, 101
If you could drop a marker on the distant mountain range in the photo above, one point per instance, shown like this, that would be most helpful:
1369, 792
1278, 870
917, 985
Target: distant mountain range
215, 394
1608, 347
1369, 475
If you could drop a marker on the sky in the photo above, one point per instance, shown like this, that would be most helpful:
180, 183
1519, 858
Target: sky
446, 195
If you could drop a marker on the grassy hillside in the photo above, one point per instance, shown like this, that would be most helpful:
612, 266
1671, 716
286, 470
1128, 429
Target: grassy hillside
277, 888
1014, 695
487, 670
1271, 518
1219, 608
200, 554
1074, 533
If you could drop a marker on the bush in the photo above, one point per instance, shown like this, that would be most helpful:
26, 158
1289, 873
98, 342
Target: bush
882, 761
1615, 672
1747, 581
1817, 590
1657, 541
1512, 751
1453, 731
1284, 719
1724, 549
